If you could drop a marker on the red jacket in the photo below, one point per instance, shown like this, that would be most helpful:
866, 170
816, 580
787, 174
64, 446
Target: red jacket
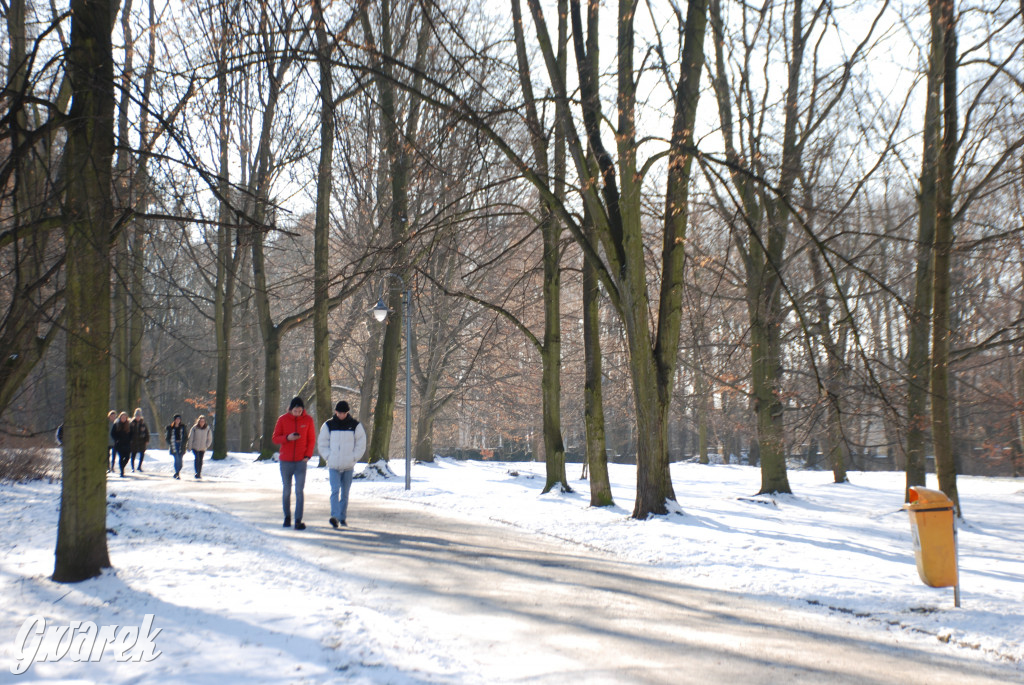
300, 449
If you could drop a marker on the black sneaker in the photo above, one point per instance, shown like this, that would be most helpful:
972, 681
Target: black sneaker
334, 522
287, 523
299, 525
342, 522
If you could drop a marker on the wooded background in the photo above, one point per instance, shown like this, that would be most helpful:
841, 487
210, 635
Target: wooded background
782, 233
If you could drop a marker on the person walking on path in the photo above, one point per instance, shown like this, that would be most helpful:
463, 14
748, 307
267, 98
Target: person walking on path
140, 438
121, 435
295, 432
199, 440
175, 436
112, 418
341, 442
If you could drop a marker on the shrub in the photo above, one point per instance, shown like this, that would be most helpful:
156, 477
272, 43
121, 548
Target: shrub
27, 464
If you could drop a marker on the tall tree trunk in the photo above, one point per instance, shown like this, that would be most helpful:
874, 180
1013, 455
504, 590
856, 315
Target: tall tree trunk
260, 183
550, 347
835, 441
945, 463
271, 390
321, 337
396, 148
423, 447
124, 309
369, 379
918, 325
593, 398
701, 403
228, 253
136, 258
81, 550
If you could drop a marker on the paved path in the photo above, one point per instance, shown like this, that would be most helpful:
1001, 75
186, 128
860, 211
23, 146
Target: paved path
524, 609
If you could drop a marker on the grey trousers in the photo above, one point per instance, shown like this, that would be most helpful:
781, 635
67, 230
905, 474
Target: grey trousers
290, 470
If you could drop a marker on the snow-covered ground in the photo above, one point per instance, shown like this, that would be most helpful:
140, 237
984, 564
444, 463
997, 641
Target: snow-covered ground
234, 603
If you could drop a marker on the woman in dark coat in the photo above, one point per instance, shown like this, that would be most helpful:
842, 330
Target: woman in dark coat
121, 435
140, 438
176, 443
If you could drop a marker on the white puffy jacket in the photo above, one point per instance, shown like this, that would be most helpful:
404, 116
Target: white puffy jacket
341, 442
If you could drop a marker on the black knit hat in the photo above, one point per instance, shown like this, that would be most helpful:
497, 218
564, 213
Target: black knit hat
296, 402
341, 407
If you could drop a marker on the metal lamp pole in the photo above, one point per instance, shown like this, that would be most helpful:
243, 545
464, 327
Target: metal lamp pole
380, 312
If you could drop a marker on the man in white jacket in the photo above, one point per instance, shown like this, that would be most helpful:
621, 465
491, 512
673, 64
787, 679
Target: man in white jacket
342, 442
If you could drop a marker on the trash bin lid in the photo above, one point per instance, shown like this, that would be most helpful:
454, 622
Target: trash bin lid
924, 498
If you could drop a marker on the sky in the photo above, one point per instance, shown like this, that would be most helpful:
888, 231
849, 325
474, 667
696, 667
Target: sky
236, 598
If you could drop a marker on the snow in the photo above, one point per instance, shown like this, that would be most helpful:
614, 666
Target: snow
234, 602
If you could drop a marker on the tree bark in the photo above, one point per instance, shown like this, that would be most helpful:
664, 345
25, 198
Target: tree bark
396, 149
81, 550
945, 463
228, 253
593, 400
919, 323
321, 336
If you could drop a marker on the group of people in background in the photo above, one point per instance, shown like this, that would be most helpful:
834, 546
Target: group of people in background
130, 438
341, 442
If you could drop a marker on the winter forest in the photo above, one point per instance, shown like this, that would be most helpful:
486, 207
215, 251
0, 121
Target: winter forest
783, 233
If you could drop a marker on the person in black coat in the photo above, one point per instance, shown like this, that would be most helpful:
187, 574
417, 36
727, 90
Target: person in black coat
176, 443
121, 434
140, 438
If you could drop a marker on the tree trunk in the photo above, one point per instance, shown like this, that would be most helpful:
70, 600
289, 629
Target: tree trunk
702, 395
423, 447
396, 145
945, 463
271, 390
384, 411
918, 325
369, 376
765, 372
228, 254
550, 347
81, 550
321, 336
593, 400
835, 441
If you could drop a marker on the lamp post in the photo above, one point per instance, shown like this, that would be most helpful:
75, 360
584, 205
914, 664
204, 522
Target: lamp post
380, 312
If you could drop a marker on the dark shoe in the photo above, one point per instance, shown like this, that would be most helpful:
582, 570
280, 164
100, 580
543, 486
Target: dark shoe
299, 525
177, 477
342, 522
198, 477
334, 522
122, 474
287, 522
140, 469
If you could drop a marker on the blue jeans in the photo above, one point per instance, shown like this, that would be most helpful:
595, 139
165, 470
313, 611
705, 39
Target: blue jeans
341, 481
177, 461
296, 470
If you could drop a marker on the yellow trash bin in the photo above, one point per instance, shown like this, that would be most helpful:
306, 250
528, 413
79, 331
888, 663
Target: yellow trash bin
934, 534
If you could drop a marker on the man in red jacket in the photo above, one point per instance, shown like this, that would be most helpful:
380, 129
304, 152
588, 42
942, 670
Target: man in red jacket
295, 432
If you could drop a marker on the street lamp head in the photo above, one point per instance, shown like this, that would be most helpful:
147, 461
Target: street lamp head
380, 311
